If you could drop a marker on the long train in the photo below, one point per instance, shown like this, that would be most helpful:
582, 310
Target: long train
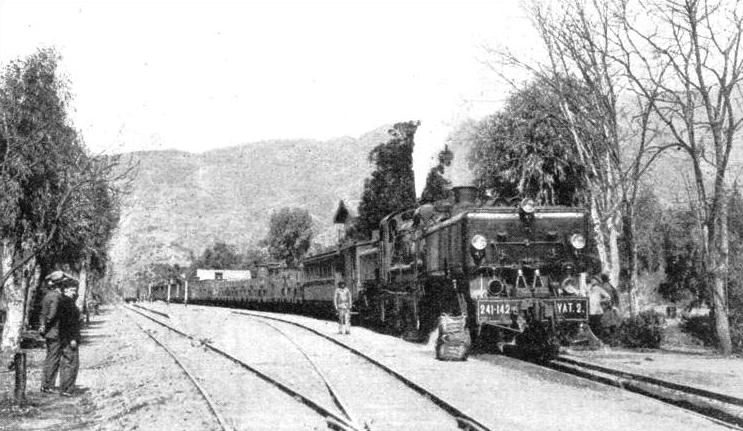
508, 269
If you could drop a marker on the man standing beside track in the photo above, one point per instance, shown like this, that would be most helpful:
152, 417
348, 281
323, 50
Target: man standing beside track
59, 324
596, 296
342, 302
69, 337
49, 329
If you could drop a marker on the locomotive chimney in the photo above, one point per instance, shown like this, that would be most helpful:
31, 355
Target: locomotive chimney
464, 195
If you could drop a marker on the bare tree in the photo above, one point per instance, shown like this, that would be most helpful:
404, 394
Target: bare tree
613, 131
696, 46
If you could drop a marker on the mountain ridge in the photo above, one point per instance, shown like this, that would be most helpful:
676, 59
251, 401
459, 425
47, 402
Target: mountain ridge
182, 202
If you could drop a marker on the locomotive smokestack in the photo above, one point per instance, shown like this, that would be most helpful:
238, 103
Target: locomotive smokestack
464, 195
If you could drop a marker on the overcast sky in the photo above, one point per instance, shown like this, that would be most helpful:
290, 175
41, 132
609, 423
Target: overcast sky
205, 74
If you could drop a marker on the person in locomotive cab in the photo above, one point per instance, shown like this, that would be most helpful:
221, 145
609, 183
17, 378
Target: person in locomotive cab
596, 297
342, 303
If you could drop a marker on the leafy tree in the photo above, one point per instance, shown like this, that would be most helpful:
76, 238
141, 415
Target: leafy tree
52, 201
526, 150
88, 226
158, 273
392, 184
682, 257
650, 227
219, 256
289, 235
38, 172
255, 256
437, 186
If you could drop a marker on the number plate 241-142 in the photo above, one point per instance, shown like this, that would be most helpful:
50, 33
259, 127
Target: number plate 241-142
489, 310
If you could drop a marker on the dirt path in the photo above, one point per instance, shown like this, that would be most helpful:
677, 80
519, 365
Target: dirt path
126, 382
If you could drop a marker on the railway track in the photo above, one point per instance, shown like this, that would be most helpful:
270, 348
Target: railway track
204, 394
334, 421
346, 365
722, 409
462, 419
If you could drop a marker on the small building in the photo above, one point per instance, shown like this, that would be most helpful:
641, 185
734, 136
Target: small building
345, 220
223, 274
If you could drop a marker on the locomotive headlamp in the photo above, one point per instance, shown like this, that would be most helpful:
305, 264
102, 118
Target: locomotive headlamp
578, 241
527, 206
479, 242
496, 287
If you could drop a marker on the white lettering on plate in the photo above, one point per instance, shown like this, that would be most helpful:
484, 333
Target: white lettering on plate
570, 307
495, 308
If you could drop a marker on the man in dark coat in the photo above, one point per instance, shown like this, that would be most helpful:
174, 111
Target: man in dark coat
69, 339
49, 328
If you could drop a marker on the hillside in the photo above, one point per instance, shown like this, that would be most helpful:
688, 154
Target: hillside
181, 202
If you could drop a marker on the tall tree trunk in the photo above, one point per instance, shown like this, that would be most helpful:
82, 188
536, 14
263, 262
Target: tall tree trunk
82, 290
598, 231
33, 283
719, 266
614, 254
13, 300
607, 242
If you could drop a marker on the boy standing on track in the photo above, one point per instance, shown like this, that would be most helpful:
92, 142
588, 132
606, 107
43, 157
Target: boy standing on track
342, 303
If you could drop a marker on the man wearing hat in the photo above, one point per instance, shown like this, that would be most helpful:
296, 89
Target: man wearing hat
69, 339
60, 327
49, 328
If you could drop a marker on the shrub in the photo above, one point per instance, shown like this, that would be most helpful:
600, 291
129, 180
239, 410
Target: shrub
643, 330
701, 328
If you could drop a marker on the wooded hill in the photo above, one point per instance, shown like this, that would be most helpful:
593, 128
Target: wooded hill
180, 203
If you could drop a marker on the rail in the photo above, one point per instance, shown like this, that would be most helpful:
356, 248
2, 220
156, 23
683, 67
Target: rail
465, 421
334, 420
331, 390
711, 405
209, 401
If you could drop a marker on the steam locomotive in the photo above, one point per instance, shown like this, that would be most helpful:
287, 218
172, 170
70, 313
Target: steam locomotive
513, 271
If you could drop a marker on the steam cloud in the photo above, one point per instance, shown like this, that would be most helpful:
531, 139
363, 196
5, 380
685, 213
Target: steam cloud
459, 173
